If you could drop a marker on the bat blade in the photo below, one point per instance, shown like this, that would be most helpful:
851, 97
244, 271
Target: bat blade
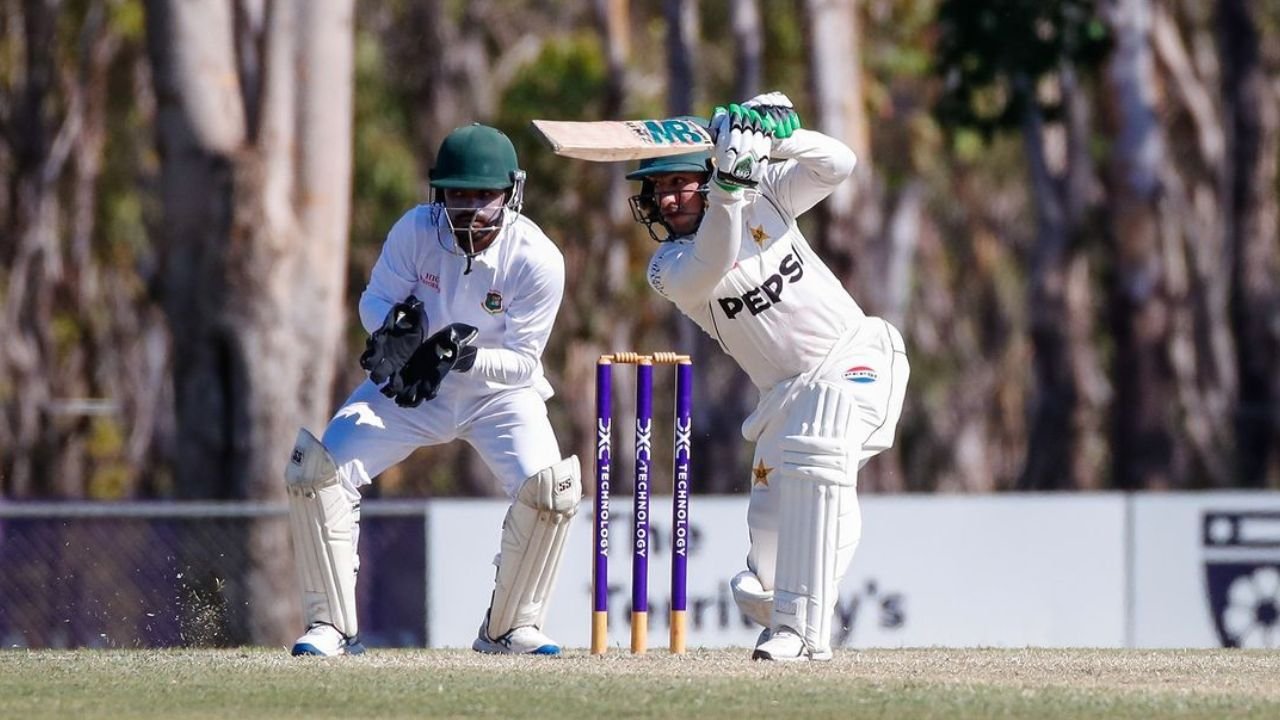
617, 140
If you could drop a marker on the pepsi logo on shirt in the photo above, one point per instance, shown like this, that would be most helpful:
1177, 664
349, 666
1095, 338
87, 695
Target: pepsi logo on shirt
860, 374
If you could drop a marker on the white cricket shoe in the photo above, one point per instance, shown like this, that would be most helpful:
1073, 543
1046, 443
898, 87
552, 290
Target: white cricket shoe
764, 636
784, 645
325, 640
526, 640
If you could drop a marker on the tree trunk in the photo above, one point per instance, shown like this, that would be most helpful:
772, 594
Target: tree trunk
748, 66
1193, 219
1062, 419
30, 250
444, 82
1252, 218
255, 135
682, 54
1148, 454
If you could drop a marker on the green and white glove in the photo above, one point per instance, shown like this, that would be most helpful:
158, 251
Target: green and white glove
742, 147
780, 116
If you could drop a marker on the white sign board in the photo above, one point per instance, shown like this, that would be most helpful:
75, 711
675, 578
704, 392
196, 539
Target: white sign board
1040, 570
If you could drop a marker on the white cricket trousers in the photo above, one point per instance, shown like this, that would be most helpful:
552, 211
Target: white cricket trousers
509, 428
873, 367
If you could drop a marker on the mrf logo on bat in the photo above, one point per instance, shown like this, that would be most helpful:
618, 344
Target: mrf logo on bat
674, 131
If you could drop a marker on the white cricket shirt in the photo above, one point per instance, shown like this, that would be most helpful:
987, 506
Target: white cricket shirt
749, 278
512, 293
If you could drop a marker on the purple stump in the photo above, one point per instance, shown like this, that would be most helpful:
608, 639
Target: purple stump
600, 548
680, 504
640, 539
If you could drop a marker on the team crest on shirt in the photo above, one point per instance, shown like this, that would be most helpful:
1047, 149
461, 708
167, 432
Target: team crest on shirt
492, 302
860, 374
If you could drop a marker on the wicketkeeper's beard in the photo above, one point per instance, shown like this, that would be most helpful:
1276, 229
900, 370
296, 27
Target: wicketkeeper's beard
475, 229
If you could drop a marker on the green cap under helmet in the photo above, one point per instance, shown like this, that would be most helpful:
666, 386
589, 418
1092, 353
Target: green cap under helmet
475, 157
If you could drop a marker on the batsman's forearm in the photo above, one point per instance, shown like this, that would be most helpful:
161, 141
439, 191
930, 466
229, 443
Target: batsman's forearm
825, 159
716, 246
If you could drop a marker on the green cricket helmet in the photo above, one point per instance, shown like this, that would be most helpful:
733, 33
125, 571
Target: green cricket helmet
477, 157
694, 162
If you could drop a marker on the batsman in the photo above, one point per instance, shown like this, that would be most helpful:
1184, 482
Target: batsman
459, 307
831, 378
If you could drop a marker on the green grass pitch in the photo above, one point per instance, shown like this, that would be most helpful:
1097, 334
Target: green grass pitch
917, 683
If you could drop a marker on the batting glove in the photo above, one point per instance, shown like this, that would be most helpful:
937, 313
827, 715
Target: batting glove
780, 116
742, 147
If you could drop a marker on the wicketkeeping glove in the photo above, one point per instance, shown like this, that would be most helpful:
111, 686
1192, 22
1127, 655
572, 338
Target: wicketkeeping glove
742, 147
780, 117
420, 378
391, 346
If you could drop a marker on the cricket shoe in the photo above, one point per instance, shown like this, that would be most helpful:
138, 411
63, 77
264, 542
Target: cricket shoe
784, 645
525, 640
324, 640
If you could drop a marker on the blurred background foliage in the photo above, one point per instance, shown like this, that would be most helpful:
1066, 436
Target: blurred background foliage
1071, 325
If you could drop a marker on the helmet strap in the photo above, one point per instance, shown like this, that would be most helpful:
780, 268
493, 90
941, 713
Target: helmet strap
515, 200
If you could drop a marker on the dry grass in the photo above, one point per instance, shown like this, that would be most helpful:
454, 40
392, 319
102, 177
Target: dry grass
924, 683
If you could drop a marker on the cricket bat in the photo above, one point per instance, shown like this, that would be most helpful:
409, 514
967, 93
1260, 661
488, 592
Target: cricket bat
615, 140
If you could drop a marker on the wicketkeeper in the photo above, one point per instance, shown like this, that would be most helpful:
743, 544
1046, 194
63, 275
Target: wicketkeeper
459, 308
831, 378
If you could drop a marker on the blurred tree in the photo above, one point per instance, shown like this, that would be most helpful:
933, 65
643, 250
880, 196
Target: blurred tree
682, 44
82, 394
997, 246
254, 126
748, 48
1175, 380
1148, 454
1252, 127
1015, 66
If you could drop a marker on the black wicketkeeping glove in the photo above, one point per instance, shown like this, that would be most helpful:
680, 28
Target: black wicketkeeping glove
420, 378
390, 346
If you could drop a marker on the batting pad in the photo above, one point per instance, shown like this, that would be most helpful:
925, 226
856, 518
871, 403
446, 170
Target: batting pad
818, 519
322, 519
533, 536
753, 600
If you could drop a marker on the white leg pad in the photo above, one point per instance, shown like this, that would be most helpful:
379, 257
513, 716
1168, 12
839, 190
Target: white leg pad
323, 520
753, 600
818, 520
533, 539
